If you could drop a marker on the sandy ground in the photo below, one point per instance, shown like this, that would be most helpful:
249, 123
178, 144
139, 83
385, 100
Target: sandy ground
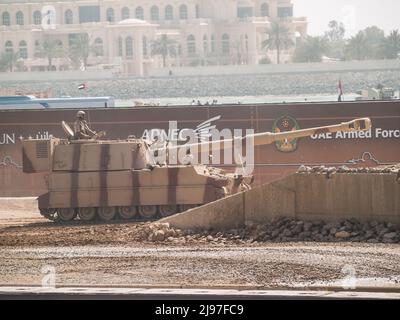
109, 254
19, 211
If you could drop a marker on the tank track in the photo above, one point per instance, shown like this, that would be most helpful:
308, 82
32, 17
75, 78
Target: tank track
109, 214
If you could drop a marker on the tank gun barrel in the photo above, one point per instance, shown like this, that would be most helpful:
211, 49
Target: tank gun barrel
363, 124
264, 138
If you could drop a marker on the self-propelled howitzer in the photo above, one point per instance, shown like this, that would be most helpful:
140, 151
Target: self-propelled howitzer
106, 179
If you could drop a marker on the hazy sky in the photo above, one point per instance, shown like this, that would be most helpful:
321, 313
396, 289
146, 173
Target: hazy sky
355, 14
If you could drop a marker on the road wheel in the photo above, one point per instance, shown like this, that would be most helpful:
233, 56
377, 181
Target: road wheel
148, 212
186, 207
66, 214
87, 214
106, 213
49, 213
127, 212
168, 210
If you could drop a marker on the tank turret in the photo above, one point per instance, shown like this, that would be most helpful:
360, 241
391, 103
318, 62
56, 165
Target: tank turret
105, 178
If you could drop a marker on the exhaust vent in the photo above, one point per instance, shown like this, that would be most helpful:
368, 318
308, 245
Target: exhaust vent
42, 150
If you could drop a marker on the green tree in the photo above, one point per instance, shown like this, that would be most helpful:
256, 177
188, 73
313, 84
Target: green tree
375, 38
357, 47
50, 49
335, 39
80, 48
8, 61
336, 31
392, 45
164, 47
367, 44
278, 39
311, 49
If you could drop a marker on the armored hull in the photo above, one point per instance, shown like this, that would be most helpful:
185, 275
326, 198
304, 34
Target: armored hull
110, 179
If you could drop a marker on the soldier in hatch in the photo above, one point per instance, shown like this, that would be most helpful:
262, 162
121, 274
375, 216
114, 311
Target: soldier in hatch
81, 127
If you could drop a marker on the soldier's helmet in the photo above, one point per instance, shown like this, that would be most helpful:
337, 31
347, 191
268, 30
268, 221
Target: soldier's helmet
80, 114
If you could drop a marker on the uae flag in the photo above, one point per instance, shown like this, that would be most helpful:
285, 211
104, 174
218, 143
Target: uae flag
340, 90
82, 86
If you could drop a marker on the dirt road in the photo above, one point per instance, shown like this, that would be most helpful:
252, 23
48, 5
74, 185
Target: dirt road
113, 254
266, 266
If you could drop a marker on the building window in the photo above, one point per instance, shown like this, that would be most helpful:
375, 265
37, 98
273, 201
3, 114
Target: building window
139, 13
183, 12
244, 12
110, 15
88, 14
20, 18
225, 44
129, 48
23, 50
205, 44
68, 17
9, 47
120, 47
6, 19
98, 47
169, 13
285, 12
212, 44
125, 13
191, 45
154, 13
144, 44
197, 12
246, 38
264, 10
37, 18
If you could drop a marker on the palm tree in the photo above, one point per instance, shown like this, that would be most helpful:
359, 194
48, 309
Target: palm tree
164, 47
357, 47
392, 44
79, 48
50, 49
278, 39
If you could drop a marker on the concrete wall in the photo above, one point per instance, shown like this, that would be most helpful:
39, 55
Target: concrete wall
365, 197
313, 196
55, 75
339, 66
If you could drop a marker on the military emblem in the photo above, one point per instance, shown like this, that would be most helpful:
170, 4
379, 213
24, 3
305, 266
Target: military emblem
284, 124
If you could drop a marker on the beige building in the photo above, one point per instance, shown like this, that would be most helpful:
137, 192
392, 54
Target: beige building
118, 34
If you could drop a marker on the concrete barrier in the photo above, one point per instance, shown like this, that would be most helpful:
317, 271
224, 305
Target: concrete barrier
309, 197
361, 196
223, 214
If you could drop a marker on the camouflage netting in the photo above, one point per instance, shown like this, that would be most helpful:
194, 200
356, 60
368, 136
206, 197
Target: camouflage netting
329, 171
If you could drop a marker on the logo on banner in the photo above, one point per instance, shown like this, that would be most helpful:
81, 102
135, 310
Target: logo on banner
286, 124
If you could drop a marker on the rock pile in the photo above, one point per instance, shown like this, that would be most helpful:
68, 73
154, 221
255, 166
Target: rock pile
286, 229
279, 230
159, 232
